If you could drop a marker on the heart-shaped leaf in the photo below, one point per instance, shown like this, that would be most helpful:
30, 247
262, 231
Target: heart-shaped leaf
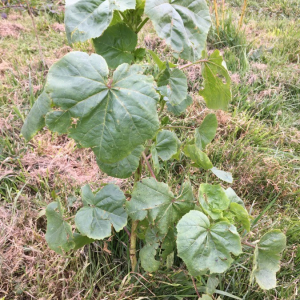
184, 24
116, 45
267, 258
200, 159
59, 234
223, 175
204, 246
166, 144
85, 19
112, 116
101, 211
154, 200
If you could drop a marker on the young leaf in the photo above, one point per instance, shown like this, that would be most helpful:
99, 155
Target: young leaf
139, 54
205, 246
240, 214
183, 24
267, 258
212, 284
213, 200
125, 167
35, 120
154, 200
206, 132
166, 144
217, 91
85, 19
161, 65
198, 157
154, 157
173, 86
110, 114
101, 211
116, 45
59, 234
225, 176
177, 110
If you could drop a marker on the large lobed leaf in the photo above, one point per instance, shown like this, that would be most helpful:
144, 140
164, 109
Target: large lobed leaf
154, 200
267, 258
184, 24
101, 211
85, 19
205, 246
112, 116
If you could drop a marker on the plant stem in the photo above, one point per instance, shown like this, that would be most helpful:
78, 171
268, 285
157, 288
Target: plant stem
148, 165
132, 250
195, 287
243, 13
248, 244
141, 25
217, 16
185, 127
191, 64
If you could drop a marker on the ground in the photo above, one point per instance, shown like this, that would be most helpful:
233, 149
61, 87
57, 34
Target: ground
257, 141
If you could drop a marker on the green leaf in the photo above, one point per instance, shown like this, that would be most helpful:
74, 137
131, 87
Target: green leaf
139, 54
81, 240
233, 197
154, 158
148, 252
86, 19
198, 157
173, 86
116, 45
161, 65
205, 246
35, 120
217, 91
184, 25
213, 200
101, 211
154, 200
241, 215
59, 234
166, 144
104, 114
177, 110
212, 284
206, 131
267, 258
225, 176
205, 297
125, 167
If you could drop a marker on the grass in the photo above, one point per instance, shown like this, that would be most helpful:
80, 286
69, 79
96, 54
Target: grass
257, 140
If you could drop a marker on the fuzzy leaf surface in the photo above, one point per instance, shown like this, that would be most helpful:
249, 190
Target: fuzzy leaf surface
213, 200
206, 246
166, 144
59, 234
184, 24
154, 200
116, 45
101, 211
125, 167
206, 132
217, 90
200, 159
35, 120
108, 114
86, 19
267, 258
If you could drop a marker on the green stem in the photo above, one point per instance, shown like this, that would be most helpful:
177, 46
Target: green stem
191, 64
132, 250
148, 165
142, 25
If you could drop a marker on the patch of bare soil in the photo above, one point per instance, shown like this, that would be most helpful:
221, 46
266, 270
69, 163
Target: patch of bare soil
10, 29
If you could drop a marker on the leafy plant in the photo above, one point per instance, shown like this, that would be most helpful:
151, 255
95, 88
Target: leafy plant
115, 113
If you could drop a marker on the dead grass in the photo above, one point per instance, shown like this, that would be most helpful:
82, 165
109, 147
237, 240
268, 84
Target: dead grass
10, 29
